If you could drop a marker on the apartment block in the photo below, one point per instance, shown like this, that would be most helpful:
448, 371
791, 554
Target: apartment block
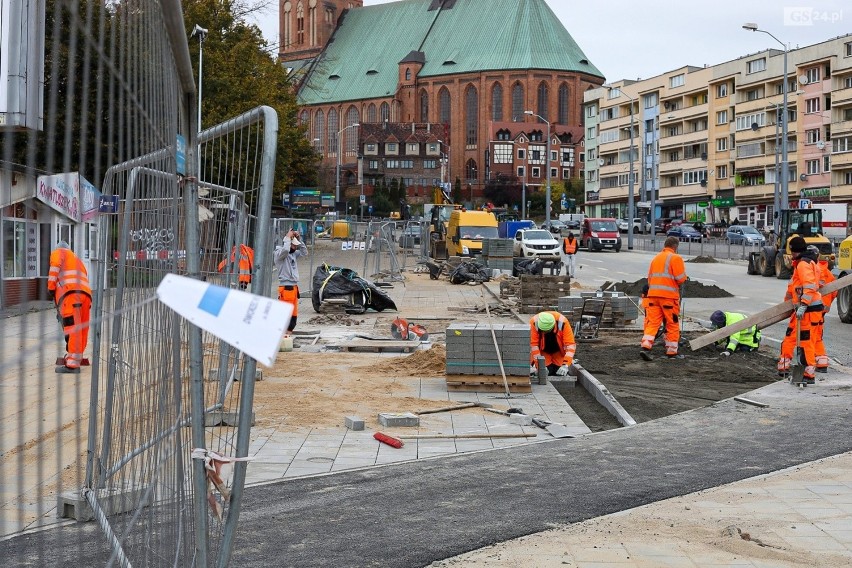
705, 143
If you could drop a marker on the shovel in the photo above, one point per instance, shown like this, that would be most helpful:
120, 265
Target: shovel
797, 369
555, 430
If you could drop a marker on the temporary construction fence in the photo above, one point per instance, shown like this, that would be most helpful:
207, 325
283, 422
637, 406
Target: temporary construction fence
134, 441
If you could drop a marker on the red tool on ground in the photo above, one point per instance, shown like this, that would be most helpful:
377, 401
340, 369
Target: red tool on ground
389, 440
402, 329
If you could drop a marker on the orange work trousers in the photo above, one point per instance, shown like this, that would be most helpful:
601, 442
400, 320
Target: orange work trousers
74, 309
658, 310
809, 326
820, 355
290, 294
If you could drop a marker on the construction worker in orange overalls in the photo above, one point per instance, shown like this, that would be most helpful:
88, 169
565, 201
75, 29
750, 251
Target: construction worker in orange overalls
666, 275
803, 291
68, 287
825, 277
569, 251
246, 264
551, 336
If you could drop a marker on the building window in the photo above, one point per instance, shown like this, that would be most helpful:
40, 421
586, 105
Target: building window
497, 102
841, 145
371, 113
721, 144
373, 165
693, 177
826, 163
444, 106
650, 100
412, 149
722, 117
424, 106
812, 105
756, 65
848, 46
472, 116
522, 154
333, 127
391, 148
408, 74
722, 172
430, 164
699, 99
543, 100
385, 112
521, 171
590, 110
590, 133
748, 121
536, 172
518, 103
812, 136
812, 74
812, 167
503, 153
15, 247
371, 149
470, 171
753, 94
677, 81
721, 90
562, 117
319, 131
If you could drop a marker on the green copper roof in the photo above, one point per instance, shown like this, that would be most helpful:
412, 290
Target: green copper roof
362, 59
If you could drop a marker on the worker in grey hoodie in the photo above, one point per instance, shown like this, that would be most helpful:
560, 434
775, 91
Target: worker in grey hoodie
290, 249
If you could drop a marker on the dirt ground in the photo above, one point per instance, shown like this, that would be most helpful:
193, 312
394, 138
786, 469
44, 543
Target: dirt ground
652, 389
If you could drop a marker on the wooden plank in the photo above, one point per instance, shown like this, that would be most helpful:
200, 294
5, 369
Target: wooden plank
763, 319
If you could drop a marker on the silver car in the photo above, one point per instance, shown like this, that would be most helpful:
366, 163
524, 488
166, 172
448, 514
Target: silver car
744, 234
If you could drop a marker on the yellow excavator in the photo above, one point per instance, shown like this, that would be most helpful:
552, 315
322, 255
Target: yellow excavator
439, 214
777, 260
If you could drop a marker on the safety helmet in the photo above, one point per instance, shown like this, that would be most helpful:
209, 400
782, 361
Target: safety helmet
798, 244
546, 321
62, 245
813, 249
717, 318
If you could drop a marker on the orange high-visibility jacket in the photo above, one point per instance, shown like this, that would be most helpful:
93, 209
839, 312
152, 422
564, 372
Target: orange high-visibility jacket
826, 277
805, 276
67, 274
246, 262
569, 247
665, 275
564, 338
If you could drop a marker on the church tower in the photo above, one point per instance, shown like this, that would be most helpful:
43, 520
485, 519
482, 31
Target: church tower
305, 26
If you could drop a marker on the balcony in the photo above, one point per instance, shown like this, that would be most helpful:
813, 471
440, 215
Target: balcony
682, 139
843, 160
841, 96
753, 163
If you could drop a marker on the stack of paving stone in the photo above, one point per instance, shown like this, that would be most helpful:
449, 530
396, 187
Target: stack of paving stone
471, 352
498, 254
620, 309
539, 292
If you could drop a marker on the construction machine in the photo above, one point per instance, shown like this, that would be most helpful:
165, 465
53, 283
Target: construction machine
439, 212
777, 260
844, 268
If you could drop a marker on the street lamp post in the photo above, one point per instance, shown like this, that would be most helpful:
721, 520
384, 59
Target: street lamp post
337, 171
202, 35
785, 166
448, 163
631, 181
547, 165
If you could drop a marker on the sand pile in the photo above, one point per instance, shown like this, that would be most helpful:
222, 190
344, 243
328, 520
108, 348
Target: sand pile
423, 362
334, 319
703, 260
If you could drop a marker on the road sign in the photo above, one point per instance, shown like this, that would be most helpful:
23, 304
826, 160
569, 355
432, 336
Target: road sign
108, 204
644, 205
363, 199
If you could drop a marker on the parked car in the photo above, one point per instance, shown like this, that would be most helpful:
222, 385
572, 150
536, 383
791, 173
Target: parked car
685, 233
638, 225
556, 226
410, 237
739, 234
573, 225
600, 234
537, 243
662, 225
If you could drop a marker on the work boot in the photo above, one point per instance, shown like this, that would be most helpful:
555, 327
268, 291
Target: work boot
646, 354
68, 370
675, 356
782, 376
822, 369
809, 380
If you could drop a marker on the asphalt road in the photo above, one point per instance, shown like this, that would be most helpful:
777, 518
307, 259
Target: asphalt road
751, 293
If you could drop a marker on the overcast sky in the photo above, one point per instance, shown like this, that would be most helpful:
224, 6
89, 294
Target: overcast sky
626, 39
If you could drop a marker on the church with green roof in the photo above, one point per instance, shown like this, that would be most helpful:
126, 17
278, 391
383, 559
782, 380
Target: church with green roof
442, 79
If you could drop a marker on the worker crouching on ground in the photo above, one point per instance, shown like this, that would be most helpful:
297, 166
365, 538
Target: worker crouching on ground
245, 263
665, 276
552, 338
68, 287
803, 291
285, 256
745, 340
825, 277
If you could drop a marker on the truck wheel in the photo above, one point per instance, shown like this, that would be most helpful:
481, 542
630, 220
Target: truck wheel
844, 304
766, 264
753, 263
781, 271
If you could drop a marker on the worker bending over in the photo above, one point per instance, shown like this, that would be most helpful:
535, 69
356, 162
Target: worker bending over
68, 287
552, 338
746, 340
662, 305
803, 291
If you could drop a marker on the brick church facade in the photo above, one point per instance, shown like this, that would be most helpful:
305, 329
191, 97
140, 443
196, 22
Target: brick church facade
474, 81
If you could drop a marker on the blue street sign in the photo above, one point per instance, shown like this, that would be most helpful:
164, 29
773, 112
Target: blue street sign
108, 204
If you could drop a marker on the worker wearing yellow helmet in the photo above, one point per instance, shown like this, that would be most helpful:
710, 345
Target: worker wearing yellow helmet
551, 337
